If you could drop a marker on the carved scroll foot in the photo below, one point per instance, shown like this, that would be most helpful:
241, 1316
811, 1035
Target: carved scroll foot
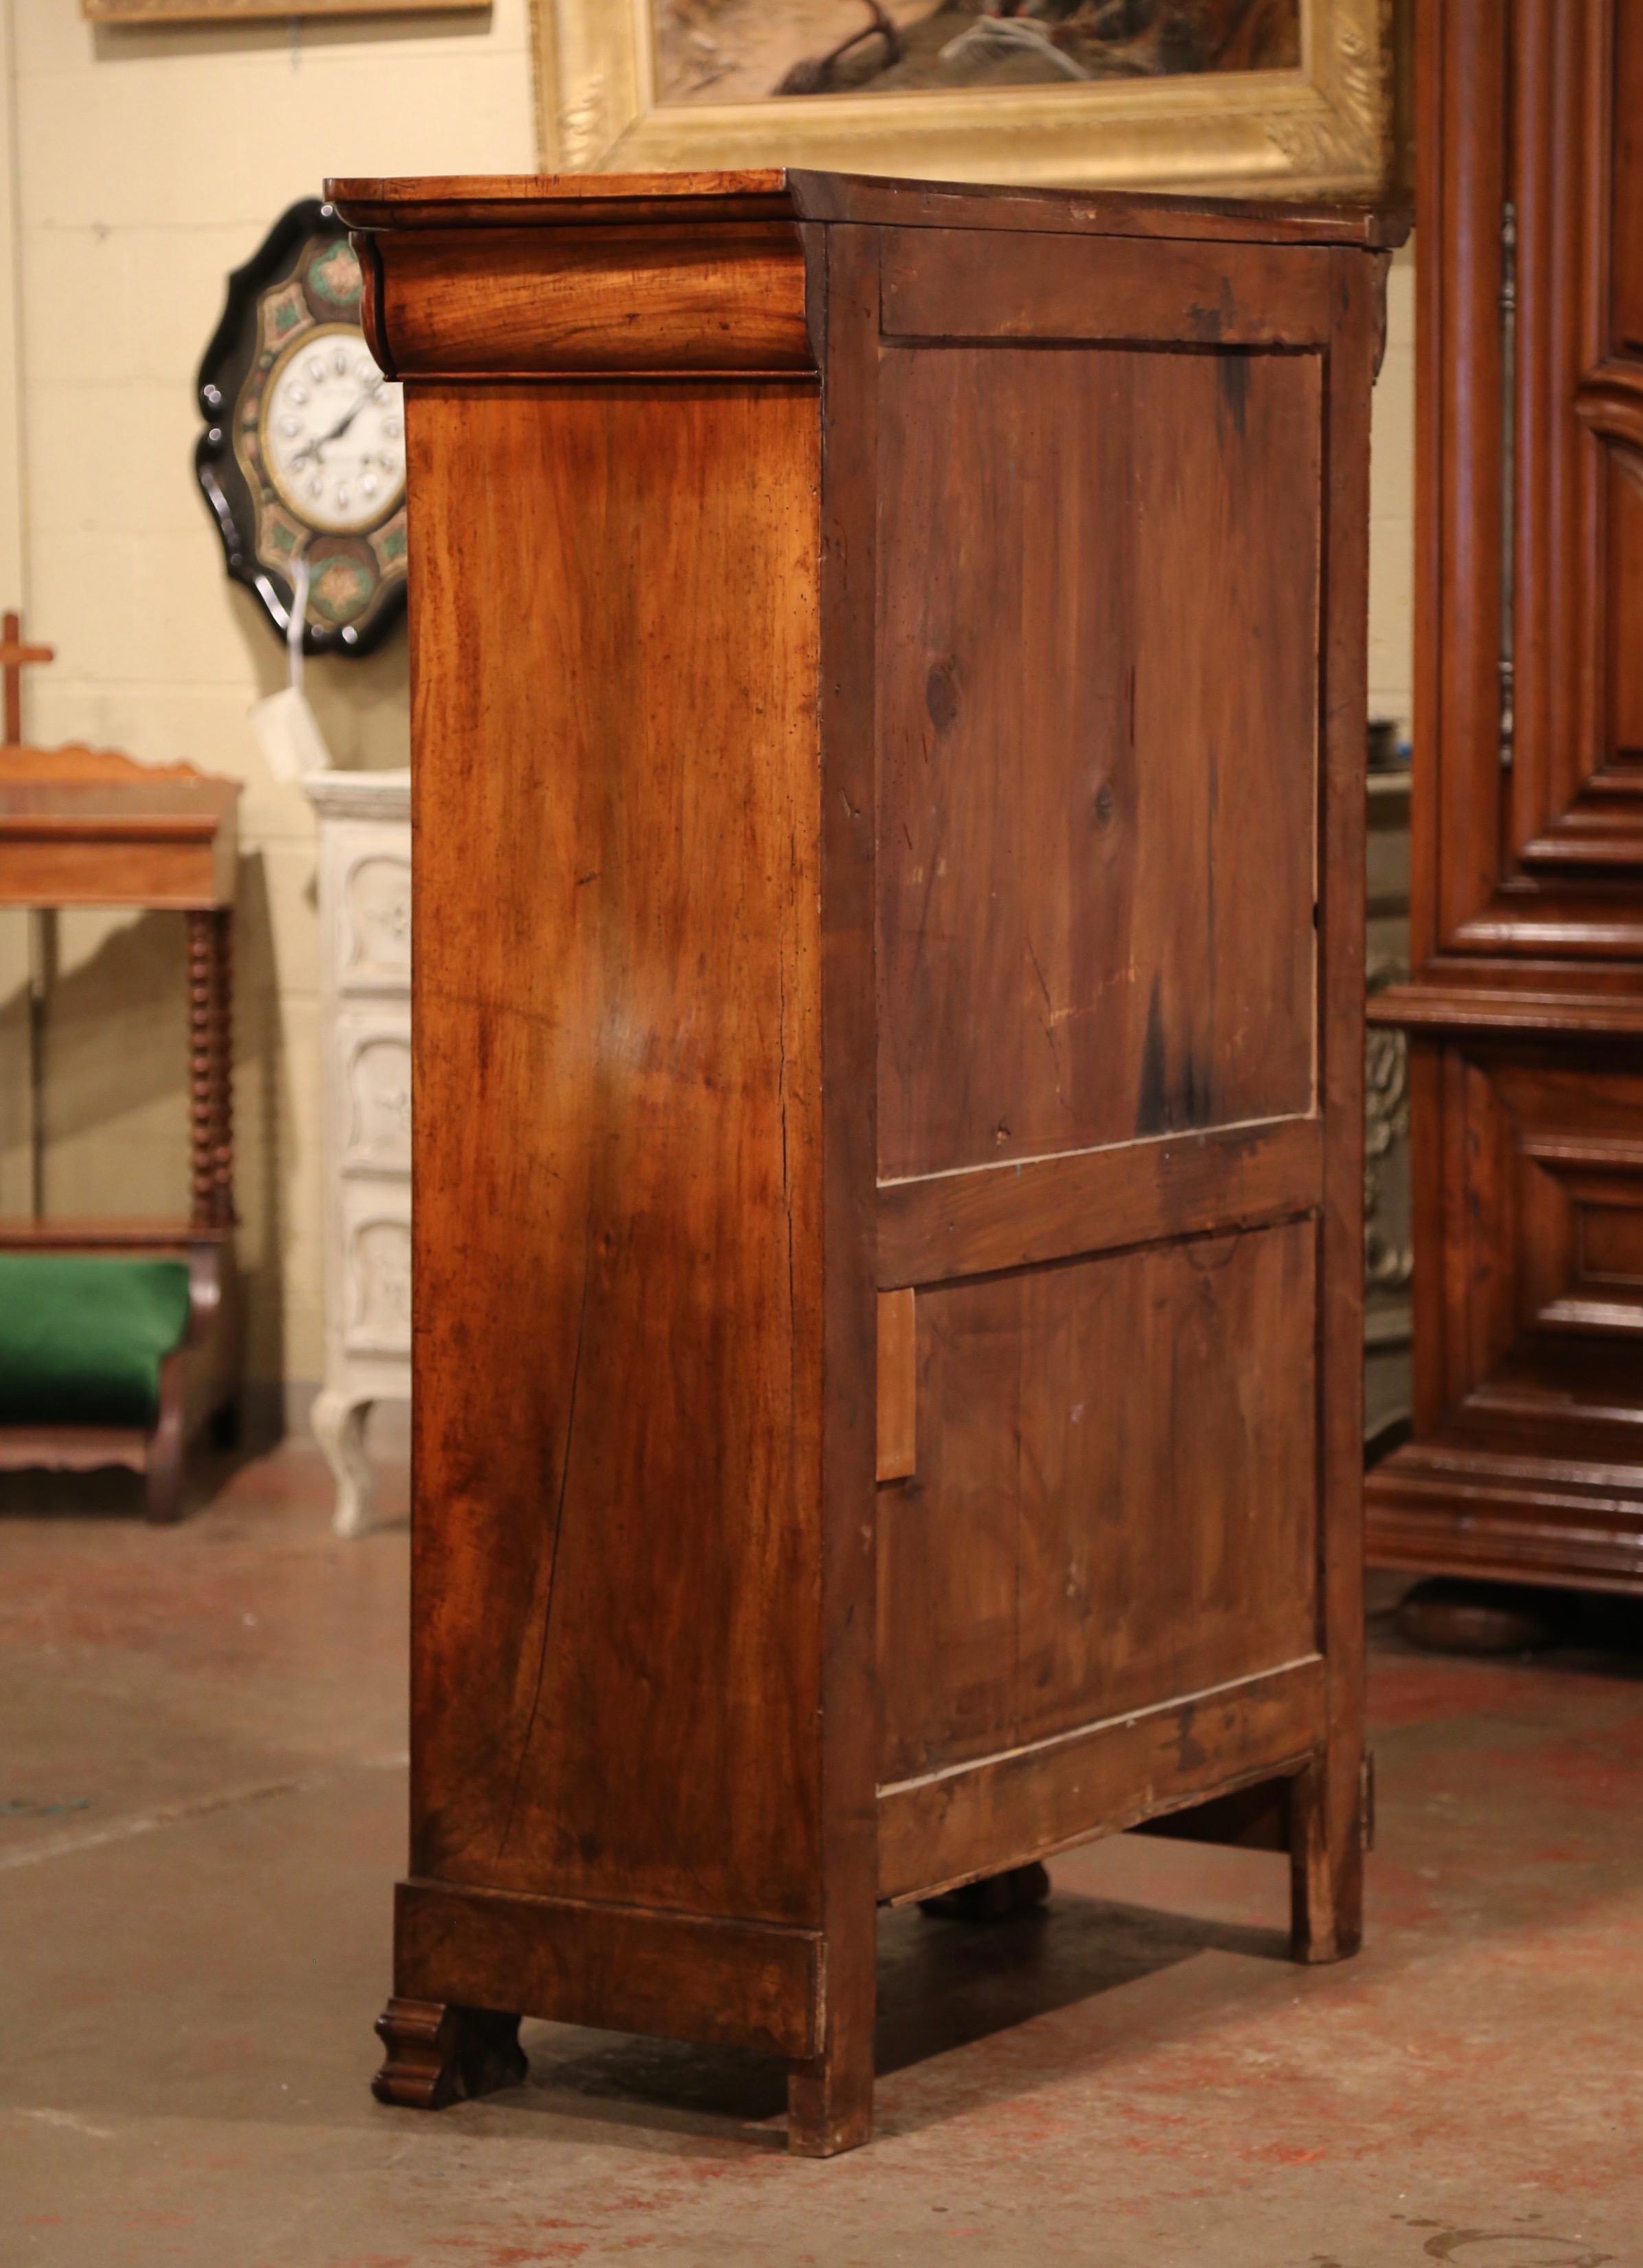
440, 2054
996, 1897
339, 1427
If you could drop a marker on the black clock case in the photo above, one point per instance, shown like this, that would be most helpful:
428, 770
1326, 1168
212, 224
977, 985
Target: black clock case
224, 368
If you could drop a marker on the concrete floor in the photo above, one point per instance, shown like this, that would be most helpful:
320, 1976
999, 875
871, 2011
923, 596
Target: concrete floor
202, 1809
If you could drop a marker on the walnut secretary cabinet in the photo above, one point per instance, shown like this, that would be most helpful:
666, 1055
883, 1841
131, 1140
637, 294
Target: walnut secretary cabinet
889, 736
1525, 1006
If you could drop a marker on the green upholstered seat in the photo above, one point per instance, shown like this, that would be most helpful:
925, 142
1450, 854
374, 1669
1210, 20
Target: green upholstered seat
82, 1337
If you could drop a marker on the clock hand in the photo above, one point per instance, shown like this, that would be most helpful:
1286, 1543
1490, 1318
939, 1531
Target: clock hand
312, 448
370, 395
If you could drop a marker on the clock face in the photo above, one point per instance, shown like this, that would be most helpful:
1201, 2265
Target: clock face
302, 460
334, 432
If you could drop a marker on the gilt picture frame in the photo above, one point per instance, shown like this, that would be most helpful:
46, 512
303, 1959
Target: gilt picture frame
146, 14
1331, 126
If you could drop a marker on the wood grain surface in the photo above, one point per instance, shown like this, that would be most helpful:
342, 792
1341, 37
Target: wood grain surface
615, 1966
939, 1226
889, 972
1052, 1561
1525, 1002
944, 1827
576, 301
1077, 784
617, 1157
468, 200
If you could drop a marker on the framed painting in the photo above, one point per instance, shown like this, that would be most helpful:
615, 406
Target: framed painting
1278, 98
251, 11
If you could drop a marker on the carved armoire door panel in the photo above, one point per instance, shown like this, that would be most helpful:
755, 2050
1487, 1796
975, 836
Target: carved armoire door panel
1541, 450
1525, 1006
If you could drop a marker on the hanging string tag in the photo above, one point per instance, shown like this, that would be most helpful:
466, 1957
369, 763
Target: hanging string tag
288, 731
296, 620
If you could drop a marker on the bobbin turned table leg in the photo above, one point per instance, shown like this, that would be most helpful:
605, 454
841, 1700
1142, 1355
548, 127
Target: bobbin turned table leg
439, 2053
211, 1076
222, 1066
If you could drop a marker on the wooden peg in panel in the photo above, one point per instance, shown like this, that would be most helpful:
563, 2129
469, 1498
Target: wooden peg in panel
897, 1386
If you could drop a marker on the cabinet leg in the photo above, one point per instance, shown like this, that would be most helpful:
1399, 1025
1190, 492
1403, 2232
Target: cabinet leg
439, 2053
829, 2102
339, 1427
994, 1897
1326, 1859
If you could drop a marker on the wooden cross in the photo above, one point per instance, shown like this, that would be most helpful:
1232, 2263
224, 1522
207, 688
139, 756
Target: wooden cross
14, 657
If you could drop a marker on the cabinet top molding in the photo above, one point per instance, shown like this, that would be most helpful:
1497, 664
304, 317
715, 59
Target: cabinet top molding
787, 193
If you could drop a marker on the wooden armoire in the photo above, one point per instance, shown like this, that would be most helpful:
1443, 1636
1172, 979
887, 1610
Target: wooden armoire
1525, 1007
888, 971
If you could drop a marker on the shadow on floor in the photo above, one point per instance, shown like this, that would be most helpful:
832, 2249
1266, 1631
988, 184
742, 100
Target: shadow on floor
1599, 1632
111, 1493
942, 1986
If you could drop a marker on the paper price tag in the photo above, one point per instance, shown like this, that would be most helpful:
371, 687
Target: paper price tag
288, 733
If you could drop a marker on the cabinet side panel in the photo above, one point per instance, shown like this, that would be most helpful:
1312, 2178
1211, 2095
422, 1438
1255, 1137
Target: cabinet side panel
1116, 1503
1098, 711
616, 1143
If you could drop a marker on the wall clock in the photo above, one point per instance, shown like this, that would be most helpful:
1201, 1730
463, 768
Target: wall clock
302, 456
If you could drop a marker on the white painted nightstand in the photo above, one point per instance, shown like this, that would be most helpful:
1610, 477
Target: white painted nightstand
365, 977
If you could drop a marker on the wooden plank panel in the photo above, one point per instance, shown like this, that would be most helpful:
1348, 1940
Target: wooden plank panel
957, 287
1006, 1809
618, 1162
619, 1967
1077, 780
1116, 1493
1088, 1201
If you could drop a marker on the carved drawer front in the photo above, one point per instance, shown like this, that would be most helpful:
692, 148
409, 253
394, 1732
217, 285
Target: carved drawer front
369, 879
376, 1270
372, 1075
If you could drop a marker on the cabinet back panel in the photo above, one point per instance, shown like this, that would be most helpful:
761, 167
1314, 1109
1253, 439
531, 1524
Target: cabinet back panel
1115, 1498
617, 1050
1098, 729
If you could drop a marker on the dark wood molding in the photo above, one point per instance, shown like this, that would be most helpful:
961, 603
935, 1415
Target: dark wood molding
1525, 1005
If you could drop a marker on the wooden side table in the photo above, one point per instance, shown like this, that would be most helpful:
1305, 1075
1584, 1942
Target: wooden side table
85, 826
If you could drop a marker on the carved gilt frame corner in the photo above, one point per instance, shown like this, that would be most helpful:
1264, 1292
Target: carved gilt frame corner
1330, 128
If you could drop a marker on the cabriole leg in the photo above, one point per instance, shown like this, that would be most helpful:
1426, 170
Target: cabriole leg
339, 1427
